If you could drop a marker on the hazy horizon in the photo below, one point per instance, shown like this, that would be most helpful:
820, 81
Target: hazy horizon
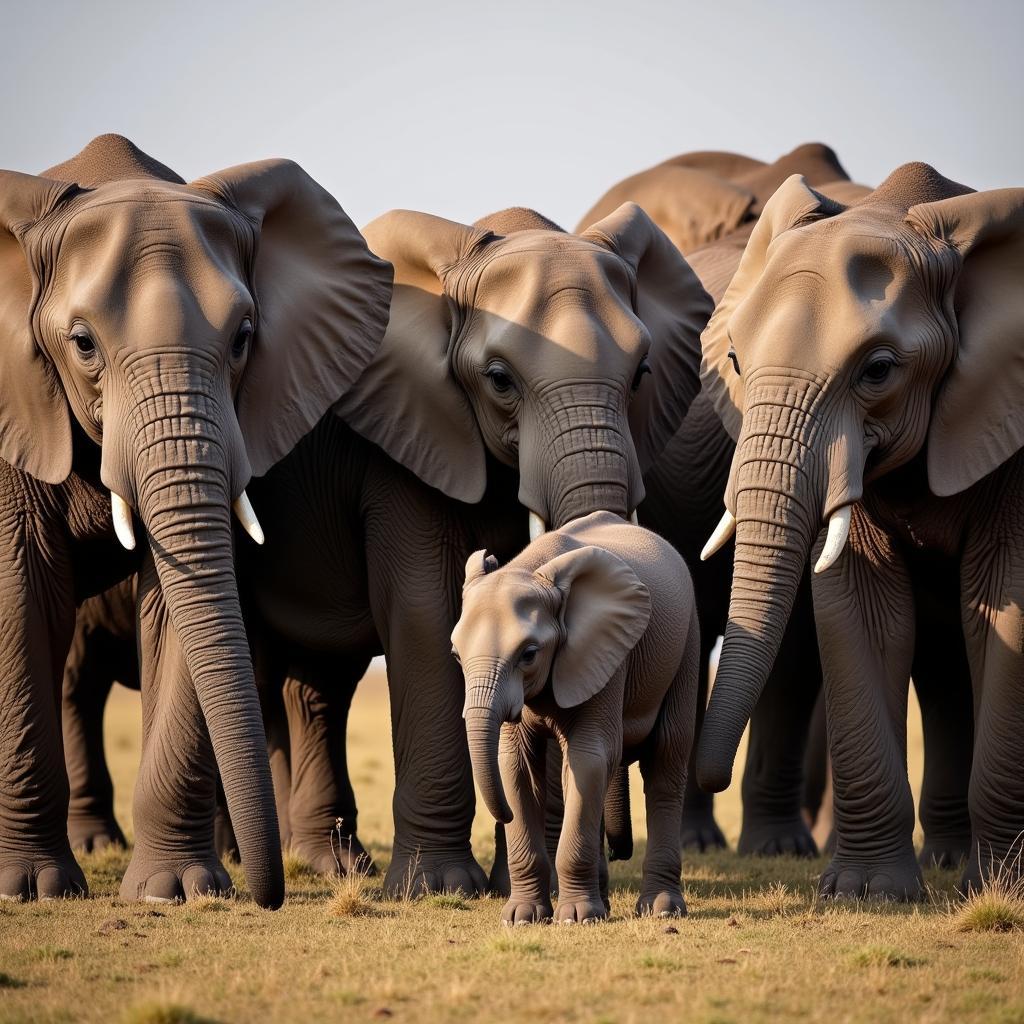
460, 109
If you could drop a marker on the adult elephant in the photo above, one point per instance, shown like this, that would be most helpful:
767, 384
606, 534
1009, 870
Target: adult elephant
867, 358
160, 342
708, 203
525, 372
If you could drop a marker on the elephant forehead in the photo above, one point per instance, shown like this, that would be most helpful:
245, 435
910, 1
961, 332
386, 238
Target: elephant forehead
501, 607
525, 271
151, 258
825, 293
568, 306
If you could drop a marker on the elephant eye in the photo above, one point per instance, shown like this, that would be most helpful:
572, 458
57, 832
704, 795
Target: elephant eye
84, 344
734, 359
455, 655
877, 370
242, 339
500, 380
529, 655
644, 367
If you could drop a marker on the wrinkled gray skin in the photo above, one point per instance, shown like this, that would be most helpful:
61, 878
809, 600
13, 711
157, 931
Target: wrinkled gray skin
588, 637
368, 555
899, 408
708, 203
127, 306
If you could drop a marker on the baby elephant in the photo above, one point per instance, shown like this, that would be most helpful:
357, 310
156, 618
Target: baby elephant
590, 636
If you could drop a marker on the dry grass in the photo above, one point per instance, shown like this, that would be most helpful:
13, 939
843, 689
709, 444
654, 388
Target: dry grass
757, 946
999, 907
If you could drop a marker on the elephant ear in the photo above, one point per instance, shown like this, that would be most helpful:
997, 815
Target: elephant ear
35, 424
978, 417
605, 610
322, 300
408, 401
795, 201
674, 307
479, 564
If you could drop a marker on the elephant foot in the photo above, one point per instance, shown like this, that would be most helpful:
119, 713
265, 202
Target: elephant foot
778, 838
663, 903
336, 856
158, 880
41, 876
945, 853
526, 911
898, 879
586, 910
89, 833
418, 872
989, 863
699, 831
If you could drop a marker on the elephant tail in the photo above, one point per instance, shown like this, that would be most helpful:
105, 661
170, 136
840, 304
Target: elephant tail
617, 823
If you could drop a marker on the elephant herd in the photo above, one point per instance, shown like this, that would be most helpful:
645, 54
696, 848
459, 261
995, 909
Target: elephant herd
398, 413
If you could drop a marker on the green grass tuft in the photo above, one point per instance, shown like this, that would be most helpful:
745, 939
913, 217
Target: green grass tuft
163, 1013
446, 901
884, 956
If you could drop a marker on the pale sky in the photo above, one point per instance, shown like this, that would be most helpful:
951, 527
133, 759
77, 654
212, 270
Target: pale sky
460, 108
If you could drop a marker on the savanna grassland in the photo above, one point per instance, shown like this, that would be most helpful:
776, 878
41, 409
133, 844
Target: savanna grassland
757, 945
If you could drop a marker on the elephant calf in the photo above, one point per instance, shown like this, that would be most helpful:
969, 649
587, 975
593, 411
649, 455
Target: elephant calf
589, 636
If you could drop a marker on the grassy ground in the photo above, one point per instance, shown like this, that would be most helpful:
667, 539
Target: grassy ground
757, 945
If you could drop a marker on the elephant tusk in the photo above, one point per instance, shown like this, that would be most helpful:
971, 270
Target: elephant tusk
838, 533
121, 512
633, 518
247, 517
723, 531
537, 526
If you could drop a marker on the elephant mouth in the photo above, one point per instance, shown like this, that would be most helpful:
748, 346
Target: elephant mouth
124, 526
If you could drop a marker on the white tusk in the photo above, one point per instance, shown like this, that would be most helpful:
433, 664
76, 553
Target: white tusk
246, 516
633, 519
123, 526
537, 526
838, 532
723, 531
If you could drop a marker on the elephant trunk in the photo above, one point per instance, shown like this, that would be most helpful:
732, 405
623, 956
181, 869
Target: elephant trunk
586, 461
484, 713
777, 516
186, 472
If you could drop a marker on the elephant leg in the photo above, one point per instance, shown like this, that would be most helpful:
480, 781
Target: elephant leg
554, 813
993, 612
95, 661
415, 562
36, 626
322, 806
663, 765
587, 763
773, 822
698, 829
864, 610
942, 680
174, 856
816, 767
521, 758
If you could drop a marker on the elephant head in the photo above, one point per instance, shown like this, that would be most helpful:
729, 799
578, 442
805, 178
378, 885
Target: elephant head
571, 357
573, 621
851, 342
194, 332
